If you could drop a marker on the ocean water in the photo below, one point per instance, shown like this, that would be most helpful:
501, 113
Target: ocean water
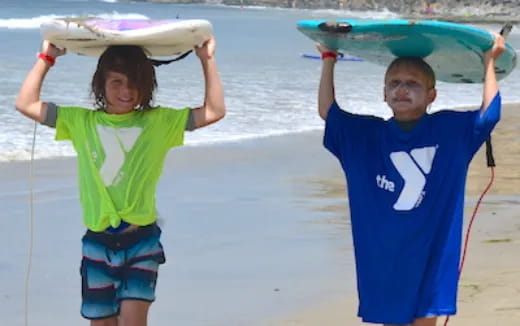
270, 89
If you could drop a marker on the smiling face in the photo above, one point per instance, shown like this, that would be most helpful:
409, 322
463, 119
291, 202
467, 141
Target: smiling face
121, 96
124, 80
409, 88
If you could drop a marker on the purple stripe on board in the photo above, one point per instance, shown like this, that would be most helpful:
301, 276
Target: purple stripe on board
127, 24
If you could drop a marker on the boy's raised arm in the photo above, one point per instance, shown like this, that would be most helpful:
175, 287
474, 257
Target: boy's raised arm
28, 100
326, 91
214, 107
490, 80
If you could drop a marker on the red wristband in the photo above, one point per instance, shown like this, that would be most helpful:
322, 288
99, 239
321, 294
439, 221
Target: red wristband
328, 54
48, 58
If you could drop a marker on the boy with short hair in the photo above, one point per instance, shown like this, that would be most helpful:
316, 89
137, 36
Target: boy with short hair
406, 179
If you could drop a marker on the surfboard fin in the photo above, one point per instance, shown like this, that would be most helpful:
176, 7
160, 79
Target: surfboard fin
506, 29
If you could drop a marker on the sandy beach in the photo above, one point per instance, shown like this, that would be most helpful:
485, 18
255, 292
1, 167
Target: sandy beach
489, 290
256, 233
243, 241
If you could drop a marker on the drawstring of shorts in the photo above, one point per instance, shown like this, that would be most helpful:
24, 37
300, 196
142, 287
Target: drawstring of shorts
123, 267
124, 277
108, 254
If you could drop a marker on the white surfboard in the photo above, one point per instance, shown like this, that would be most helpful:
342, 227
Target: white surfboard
91, 36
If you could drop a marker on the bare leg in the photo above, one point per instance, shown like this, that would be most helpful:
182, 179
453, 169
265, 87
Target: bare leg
112, 321
429, 321
134, 313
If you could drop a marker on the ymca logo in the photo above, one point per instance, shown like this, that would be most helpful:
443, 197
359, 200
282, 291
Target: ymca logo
413, 168
116, 144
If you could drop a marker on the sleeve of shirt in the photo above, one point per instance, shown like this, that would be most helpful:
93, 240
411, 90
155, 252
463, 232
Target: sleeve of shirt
190, 123
51, 115
340, 128
175, 123
485, 123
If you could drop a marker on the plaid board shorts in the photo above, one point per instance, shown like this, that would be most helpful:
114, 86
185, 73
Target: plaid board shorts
119, 266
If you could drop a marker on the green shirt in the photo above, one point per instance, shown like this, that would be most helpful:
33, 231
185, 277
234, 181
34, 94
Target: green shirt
120, 160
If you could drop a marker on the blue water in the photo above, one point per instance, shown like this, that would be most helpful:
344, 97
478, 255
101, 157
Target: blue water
270, 89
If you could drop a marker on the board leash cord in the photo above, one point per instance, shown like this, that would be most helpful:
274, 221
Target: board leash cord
31, 229
470, 225
506, 29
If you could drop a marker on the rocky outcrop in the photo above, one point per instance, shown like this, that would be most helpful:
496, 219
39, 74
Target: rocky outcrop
471, 10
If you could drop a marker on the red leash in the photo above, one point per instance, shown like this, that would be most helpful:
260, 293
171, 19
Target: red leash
506, 29
466, 240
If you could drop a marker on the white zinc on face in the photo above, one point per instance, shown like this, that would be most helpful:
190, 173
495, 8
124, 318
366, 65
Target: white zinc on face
408, 91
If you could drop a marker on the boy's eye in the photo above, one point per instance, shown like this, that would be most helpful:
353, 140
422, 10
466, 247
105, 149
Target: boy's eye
412, 84
394, 84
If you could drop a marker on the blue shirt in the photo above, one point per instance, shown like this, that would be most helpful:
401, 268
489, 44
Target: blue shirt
406, 196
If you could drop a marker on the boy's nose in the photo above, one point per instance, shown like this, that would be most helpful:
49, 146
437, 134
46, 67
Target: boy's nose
401, 89
126, 89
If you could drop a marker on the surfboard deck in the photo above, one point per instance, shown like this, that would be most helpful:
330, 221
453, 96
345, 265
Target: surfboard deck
91, 36
454, 51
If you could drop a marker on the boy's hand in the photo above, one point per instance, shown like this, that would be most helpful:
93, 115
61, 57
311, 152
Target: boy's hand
207, 50
498, 47
490, 80
322, 48
51, 50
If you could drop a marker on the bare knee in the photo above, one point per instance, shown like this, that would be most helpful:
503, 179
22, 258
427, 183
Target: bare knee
134, 313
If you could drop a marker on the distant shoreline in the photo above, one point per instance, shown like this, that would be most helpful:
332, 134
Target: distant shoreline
492, 18
468, 19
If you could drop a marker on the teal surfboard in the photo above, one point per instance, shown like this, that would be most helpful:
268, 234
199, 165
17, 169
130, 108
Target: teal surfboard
454, 51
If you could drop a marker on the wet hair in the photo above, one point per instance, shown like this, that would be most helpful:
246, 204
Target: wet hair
134, 64
413, 62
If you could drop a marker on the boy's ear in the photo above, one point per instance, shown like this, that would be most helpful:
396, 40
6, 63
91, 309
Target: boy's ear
432, 95
384, 93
